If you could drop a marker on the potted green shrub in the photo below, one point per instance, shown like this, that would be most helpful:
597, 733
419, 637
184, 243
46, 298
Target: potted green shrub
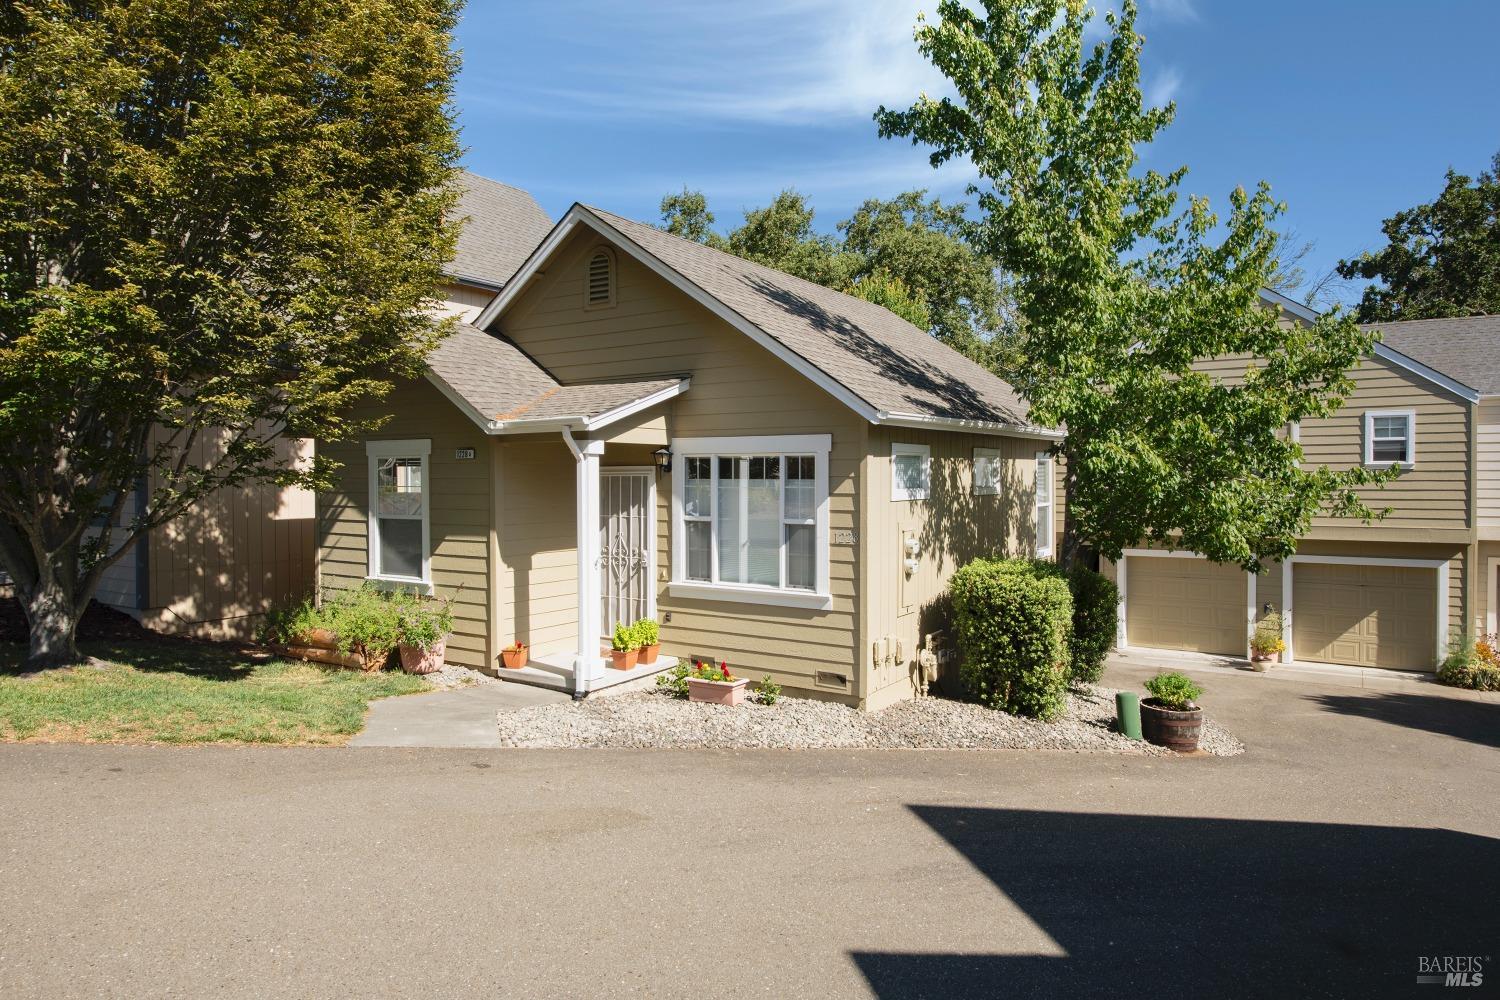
426, 625
1265, 641
514, 655
1171, 717
623, 648
715, 685
647, 639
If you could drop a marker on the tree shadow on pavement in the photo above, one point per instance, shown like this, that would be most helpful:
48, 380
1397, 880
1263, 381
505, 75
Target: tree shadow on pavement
1474, 721
1191, 907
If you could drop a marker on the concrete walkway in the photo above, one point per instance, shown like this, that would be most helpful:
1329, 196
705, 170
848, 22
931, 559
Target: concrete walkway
463, 718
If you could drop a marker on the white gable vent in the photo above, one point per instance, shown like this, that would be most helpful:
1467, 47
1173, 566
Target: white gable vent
599, 285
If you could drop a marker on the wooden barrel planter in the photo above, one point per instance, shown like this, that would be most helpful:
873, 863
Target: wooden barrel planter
1175, 730
322, 646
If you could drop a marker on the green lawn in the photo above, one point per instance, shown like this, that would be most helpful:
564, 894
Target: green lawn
179, 692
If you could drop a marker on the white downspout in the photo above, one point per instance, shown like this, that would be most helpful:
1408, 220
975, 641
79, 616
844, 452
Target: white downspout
587, 664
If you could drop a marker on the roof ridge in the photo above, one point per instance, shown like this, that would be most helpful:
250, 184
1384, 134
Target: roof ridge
1430, 319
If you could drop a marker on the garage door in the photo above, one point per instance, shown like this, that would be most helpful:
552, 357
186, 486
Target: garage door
1368, 616
1193, 604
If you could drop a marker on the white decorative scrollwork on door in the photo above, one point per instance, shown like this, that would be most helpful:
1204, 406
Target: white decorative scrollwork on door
626, 522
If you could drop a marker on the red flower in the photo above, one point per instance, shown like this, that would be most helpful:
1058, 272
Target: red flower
724, 666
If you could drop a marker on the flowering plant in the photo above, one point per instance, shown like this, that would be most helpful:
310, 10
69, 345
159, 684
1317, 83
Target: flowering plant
706, 671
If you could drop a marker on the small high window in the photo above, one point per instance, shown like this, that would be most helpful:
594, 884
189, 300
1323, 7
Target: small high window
910, 476
599, 283
986, 472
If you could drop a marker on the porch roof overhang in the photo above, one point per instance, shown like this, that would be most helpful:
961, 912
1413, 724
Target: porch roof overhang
504, 391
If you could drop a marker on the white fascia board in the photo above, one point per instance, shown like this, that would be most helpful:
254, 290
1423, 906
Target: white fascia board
579, 215
1297, 309
1395, 357
485, 423
635, 406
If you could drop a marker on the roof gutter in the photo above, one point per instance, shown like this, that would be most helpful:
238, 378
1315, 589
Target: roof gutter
926, 422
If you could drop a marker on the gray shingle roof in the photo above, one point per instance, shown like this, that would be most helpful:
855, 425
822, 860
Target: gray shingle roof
875, 354
1465, 348
501, 383
501, 226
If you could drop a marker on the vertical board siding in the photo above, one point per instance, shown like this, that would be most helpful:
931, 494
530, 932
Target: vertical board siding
952, 527
459, 496
738, 389
537, 577
216, 570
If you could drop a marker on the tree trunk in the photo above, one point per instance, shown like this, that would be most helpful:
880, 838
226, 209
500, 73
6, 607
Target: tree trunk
53, 608
1072, 546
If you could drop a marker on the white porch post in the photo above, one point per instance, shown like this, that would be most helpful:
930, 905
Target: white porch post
587, 664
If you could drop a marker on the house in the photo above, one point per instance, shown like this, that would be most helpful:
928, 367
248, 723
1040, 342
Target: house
216, 570
1392, 593
635, 425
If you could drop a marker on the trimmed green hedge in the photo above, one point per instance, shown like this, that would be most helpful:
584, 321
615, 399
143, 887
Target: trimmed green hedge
1012, 618
1096, 618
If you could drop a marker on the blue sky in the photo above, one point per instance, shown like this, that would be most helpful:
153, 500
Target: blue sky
1352, 110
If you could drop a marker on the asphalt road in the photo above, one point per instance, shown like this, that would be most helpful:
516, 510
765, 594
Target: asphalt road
1356, 836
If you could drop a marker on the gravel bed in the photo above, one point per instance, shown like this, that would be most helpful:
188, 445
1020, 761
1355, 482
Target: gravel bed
655, 719
454, 676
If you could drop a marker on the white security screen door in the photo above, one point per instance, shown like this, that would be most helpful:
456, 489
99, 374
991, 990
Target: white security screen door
627, 529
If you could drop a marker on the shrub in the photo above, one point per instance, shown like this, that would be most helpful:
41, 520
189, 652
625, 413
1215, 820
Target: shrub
770, 691
1096, 620
1266, 638
424, 621
1174, 691
1011, 619
1473, 665
647, 632
674, 681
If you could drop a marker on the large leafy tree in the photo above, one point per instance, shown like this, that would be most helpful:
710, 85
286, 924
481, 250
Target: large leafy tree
218, 219
907, 254
1121, 292
1440, 259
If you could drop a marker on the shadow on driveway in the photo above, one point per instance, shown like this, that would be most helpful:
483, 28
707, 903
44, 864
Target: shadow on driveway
1157, 906
1474, 721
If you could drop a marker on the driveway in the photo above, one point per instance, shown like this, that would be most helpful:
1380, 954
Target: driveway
1356, 836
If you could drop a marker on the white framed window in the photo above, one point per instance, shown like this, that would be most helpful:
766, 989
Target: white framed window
1391, 438
750, 519
986, 472
1046, 528
911, 471
599, 280
400, 535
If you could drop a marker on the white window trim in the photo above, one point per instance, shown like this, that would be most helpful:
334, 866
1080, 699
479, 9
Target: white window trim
415, 448
816, 445
1044, 550
1411, 438
989, 455
900, 493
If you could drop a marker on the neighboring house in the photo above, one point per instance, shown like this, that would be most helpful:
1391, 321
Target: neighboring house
216, 570
1392, 593
640, 426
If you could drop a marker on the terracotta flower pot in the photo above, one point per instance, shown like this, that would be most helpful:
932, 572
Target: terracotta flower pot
514, 659
717, 692
416, 660
1175, 730
623, 659
649, 653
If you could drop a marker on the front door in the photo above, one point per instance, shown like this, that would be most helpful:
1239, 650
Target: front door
627, 528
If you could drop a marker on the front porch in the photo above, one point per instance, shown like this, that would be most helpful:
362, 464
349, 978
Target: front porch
555, 671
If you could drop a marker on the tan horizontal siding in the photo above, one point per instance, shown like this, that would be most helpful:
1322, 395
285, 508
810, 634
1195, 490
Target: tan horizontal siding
738, 389
459, 521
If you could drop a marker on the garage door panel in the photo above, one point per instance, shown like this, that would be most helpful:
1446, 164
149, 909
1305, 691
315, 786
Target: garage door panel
1188, 604
1369, 616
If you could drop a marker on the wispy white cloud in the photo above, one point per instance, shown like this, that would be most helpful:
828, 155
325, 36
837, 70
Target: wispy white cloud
1171, 10
772, 61
1164, 86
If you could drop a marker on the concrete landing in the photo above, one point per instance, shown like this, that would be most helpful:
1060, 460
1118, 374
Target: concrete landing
462, 718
